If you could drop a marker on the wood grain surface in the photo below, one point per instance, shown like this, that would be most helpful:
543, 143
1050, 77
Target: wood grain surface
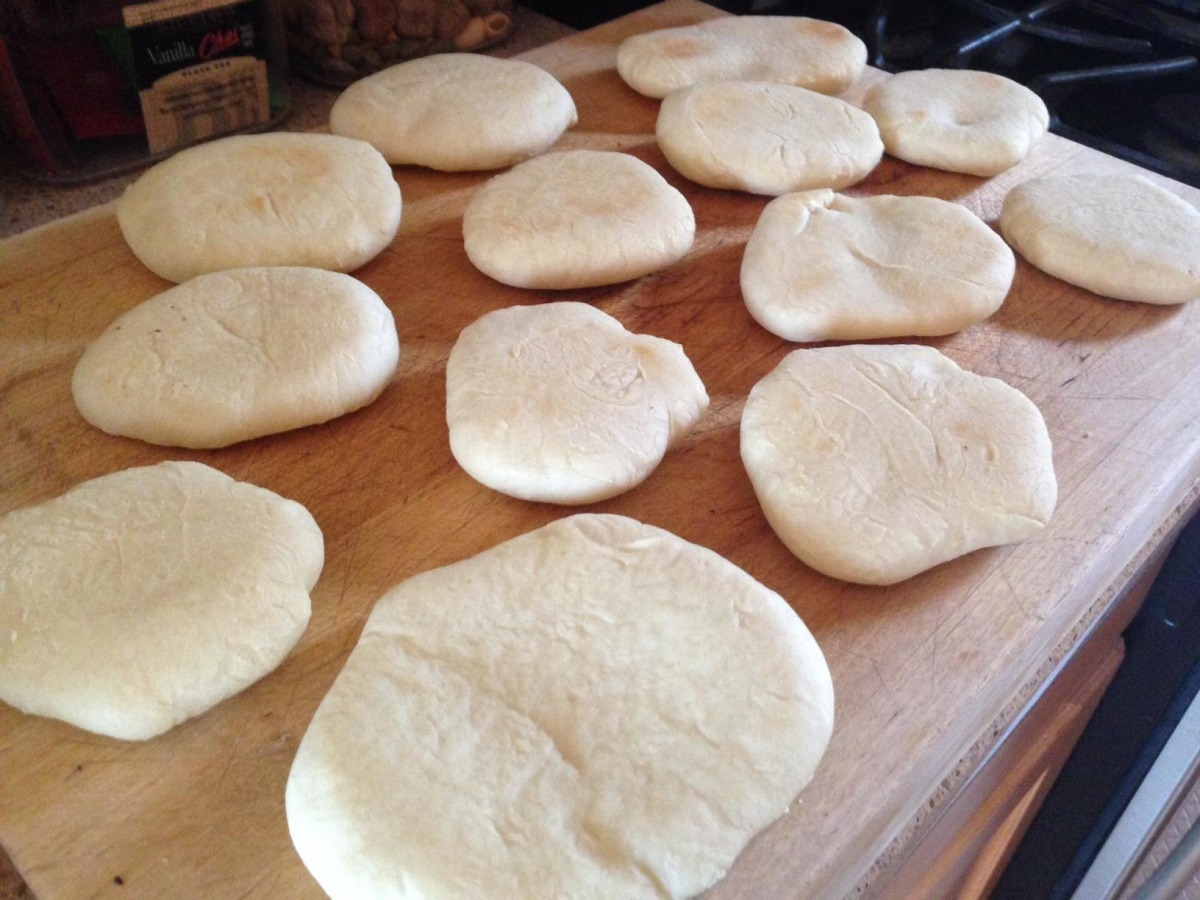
921, 670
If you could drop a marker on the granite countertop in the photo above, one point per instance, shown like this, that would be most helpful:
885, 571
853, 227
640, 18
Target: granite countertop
25, 203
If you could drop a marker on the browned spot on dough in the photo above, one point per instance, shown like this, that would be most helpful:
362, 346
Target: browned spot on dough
680, 47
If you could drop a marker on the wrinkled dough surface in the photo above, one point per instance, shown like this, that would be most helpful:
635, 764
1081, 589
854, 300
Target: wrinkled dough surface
277, 199
957, 120
808, 53
559, 403
823, 266
234, 355
874, 463
1120, 236
766, 138
594, 709
577, 218
456, 112
142, 598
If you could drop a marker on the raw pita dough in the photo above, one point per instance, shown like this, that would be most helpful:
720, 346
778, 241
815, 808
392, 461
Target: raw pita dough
276, 199
766, 138
577, 218
594, 709
823, 266
142, 598
234, 355
957, 120
873, 463
807, 53
456, 112
559, 403
1120, 236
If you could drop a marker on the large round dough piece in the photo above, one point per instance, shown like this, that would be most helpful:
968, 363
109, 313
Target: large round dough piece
456, 112
594, 709
808, 53
559, 403
142, 598
822, 266
1121, 236
766, 138
234, 355
576, 218
957, 120
874, 463
276, 199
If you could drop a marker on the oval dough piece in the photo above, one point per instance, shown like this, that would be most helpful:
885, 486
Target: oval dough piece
456, 112
142, 598
559, 403
577, 218
822, 266
766, 138
234, 355
874, 463
1120, 236
594, 709
957, 120
276, 199
808, 53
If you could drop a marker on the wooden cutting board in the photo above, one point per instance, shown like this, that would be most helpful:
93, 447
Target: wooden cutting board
922, 670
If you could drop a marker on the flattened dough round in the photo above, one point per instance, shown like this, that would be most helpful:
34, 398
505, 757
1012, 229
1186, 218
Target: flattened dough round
874, 463
594, 709
822, 266
957, 120
559, 403
234, 355
1121, 236
766, 138
456, 111
808, 53
276, 199
142, 598
576, 218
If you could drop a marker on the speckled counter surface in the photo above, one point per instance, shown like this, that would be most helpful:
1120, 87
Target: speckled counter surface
25, 203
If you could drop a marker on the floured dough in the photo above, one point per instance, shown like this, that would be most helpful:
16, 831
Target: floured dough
234, 355
957, 120
559, 403
823, 266
873, 463
808, 53
594, 709
766, 138
1121, 236
142, 598
276, 199
576, 218
456, 111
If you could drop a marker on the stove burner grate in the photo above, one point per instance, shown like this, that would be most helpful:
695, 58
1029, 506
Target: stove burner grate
1100, 67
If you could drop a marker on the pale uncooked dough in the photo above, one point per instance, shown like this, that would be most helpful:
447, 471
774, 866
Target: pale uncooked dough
823, 266
1121, 236
142, 598
456, 111
559, 403
957, 120
234, 355
809, 53
766, 138
874, 463
276, 199
577, 218
594, 709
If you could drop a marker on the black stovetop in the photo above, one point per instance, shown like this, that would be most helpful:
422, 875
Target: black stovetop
1123, 77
